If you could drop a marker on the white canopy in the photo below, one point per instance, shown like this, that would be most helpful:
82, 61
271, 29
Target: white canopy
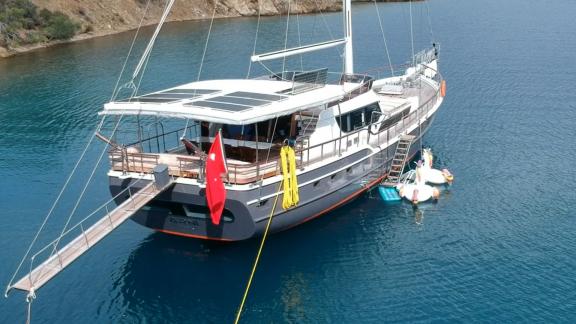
232, 102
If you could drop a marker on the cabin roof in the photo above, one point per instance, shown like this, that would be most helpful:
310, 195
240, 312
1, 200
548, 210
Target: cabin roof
233, 102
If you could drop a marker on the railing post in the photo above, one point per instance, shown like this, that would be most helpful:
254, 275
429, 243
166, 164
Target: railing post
109, 218
59, 259
124, 157
30, 272
163, 136
133, 203
84, 233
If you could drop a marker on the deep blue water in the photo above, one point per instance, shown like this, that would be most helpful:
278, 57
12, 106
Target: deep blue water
498, 247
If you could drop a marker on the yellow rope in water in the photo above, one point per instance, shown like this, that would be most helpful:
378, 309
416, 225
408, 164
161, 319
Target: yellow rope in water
291, 198
258, 256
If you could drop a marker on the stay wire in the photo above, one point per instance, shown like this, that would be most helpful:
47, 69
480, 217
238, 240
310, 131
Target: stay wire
83, 192
384, 37
54, 204
412, 34
206, 43
66, 183
116, 90
432, 38
286, 37
255, 42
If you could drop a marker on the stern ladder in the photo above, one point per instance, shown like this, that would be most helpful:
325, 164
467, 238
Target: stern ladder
399, 160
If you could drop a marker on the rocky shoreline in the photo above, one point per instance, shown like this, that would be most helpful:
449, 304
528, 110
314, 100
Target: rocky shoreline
108, 17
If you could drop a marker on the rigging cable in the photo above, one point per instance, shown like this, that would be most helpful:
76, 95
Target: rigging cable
432, 38
255, 42
116, 90
299, 41
150, 45
384, 38
104, 150
412, 34
206, 44
50, 212
75, 168
286, 36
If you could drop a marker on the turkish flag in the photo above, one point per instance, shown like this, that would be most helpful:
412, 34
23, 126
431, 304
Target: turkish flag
215, 191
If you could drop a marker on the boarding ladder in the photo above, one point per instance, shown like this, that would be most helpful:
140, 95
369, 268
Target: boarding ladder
59, 259
399, 160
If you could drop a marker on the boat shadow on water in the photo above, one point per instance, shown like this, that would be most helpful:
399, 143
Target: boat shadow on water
206, 278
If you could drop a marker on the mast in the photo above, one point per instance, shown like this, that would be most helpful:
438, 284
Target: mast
348, 52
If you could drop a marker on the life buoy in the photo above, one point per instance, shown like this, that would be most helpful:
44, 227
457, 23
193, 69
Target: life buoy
443, 88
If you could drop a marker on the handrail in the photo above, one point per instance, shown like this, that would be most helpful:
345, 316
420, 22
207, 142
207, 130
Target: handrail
104, 205
78, 225
194, 166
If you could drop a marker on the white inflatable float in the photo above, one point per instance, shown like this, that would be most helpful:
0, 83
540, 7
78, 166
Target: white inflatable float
434, 176
418, 191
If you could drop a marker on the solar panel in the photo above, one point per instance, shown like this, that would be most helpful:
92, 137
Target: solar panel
175, 96
218, 105
255, 95
240, 101
149, 100
191, 91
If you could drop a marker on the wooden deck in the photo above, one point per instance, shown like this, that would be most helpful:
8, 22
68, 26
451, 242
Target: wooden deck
60, 259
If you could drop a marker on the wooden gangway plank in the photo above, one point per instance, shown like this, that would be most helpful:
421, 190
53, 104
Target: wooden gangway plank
63, 257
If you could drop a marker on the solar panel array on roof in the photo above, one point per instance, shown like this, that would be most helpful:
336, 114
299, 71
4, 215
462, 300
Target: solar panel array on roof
255, 95
192, 91
170, 96
237, 101
219, 105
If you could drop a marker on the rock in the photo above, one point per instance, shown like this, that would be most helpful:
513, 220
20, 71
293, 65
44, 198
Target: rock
4, 52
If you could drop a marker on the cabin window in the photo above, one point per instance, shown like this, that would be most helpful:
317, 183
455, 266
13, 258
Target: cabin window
358, 118
371, 112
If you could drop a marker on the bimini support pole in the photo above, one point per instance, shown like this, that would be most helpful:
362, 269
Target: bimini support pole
348, 49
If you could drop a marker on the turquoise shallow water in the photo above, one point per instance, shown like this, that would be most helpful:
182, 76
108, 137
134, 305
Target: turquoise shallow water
498, 247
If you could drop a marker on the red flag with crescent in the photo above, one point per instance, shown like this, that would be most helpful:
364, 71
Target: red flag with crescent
215, 168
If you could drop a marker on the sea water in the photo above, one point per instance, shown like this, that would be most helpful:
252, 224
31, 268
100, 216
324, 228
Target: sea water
498, 246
